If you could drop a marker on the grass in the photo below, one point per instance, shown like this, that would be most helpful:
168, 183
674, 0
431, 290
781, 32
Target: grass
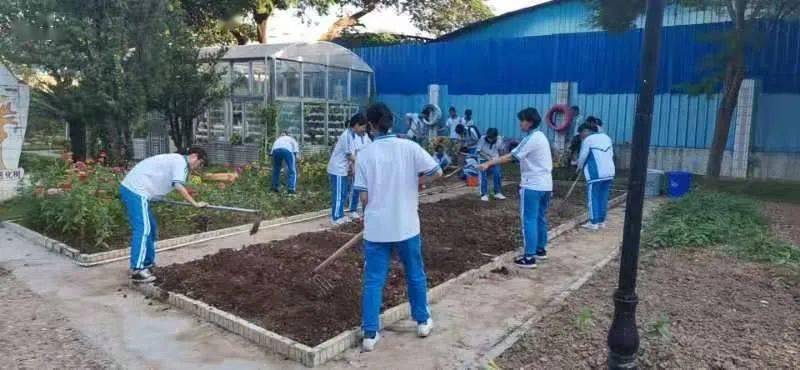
766, 190
731, 223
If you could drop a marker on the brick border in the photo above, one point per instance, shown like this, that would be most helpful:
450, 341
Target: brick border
315, 356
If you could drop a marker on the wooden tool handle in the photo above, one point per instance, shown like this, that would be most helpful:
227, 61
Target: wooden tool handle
353, 241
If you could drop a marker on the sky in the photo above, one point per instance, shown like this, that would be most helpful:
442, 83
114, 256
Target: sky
285, 26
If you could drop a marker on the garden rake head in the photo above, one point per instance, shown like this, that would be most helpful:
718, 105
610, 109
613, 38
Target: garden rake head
324, 285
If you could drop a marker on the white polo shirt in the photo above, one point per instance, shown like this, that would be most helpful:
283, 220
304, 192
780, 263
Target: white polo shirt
156, 176
388, 170
487, 150
535, 162
286, 142
338, 163
452, 123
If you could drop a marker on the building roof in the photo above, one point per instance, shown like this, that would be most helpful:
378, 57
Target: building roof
486, 22
319, 52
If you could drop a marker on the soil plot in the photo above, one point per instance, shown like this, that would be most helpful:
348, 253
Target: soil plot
268, 284
697, 309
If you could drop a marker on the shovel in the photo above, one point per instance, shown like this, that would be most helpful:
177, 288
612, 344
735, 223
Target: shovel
253, 229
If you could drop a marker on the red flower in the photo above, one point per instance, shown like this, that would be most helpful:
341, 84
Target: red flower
80, 165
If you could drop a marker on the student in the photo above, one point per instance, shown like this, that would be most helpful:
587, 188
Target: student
358, 142
488, 149
577, 118
285, 149
419, 125
596, 159
154, 178
467, 120
441, 157
453, 121
469, 136
388, 174
536, 186
340, 167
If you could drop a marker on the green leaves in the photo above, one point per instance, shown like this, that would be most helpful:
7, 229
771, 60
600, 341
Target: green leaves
706, 219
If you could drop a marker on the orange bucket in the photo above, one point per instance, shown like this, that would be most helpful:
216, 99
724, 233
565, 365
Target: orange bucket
472, 181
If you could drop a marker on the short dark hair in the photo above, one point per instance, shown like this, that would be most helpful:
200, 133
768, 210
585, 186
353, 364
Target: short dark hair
459, 129
452, 109
200, 152
492, 132
587, 126
468, 112
380, 117
358, 119
594, 121
575, 108
530, 115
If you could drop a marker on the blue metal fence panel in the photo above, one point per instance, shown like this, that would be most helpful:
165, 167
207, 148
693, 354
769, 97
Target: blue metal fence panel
600, 62
777, 123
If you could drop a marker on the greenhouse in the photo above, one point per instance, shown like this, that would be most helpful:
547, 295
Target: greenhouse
307, 89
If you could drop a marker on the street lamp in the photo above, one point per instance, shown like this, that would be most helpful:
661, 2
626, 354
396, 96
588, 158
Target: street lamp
623, 336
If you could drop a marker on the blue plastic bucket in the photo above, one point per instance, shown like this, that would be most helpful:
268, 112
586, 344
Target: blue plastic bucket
678, 183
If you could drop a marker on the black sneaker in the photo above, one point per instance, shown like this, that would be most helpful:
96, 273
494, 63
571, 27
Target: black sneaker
541, 254
142, 276
525, 262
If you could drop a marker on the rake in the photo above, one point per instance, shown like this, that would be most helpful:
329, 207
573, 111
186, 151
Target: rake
324, 285
569, 192
253, 229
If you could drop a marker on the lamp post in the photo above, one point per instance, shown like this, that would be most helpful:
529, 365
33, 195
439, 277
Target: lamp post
623, 336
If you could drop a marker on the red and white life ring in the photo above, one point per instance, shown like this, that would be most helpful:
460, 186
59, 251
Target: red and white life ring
562, 109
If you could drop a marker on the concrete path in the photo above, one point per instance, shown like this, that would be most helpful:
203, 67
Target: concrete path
139, 334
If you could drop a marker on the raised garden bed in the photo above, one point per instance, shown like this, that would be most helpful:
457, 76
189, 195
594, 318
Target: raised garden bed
264, 289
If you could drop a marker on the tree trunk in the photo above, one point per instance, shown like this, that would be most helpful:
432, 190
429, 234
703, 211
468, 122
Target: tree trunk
343, 23
188, 132
175, 133
261, 25
734, 75
77, 139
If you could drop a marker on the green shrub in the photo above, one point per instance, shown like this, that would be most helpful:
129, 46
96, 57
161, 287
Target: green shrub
710, 219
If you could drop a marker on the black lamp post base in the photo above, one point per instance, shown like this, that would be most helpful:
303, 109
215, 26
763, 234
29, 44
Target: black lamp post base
623, 337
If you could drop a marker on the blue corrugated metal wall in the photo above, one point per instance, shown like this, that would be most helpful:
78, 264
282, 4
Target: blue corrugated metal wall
496, 78
570, 17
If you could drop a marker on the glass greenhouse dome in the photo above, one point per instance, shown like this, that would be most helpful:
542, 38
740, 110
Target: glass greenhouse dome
313, 87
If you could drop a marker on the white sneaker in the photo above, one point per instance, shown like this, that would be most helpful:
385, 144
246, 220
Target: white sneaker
602, 225
424, 330
341, 221
354, 216
591, 226
485, 198
499, 196
368, 344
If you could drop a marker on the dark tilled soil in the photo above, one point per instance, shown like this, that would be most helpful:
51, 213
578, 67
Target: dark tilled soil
269, 284
713, 311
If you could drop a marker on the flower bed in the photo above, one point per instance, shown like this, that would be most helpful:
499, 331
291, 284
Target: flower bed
78, 203
268, 285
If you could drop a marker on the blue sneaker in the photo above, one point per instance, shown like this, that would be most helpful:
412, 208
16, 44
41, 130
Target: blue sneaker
525, 262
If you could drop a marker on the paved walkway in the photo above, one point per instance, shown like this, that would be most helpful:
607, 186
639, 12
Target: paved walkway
139, 334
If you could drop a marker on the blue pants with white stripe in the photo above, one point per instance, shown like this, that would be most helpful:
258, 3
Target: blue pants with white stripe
354, 199
143, 225
597, 194
278, 157
533, 212
377, 259
340, 190
497, 177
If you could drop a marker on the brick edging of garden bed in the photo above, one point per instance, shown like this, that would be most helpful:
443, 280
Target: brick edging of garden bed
95, 259
315, 356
